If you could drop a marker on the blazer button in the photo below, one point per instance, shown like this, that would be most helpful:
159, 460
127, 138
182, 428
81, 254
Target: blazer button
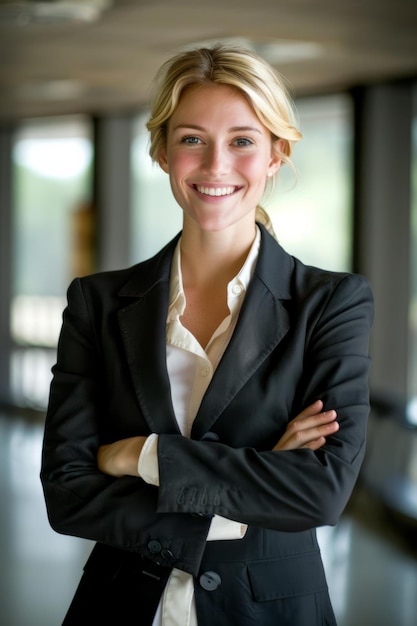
154, 547
167, 555
210, 581
210, 436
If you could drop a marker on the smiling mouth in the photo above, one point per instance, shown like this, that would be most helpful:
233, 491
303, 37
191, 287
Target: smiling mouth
216, 191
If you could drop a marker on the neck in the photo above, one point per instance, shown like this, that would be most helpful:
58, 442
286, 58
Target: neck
208, 258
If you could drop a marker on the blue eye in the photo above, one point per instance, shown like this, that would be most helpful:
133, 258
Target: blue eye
190, 140
243, 141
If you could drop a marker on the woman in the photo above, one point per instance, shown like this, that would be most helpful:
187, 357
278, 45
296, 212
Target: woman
208, 406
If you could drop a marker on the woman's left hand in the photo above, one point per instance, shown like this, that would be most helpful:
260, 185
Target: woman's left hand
121, 457
309, 429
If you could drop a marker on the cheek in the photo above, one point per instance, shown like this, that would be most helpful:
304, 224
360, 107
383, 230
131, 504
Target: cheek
255, 169
180, 163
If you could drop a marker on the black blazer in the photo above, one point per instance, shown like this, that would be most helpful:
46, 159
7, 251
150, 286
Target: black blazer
302, 335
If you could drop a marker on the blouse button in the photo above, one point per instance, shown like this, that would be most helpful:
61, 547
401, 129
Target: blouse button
205, 371
237, 290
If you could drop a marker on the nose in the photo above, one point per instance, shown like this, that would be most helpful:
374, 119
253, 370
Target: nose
216, 160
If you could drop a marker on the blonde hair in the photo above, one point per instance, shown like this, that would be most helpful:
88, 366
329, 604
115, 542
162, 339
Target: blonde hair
230, 65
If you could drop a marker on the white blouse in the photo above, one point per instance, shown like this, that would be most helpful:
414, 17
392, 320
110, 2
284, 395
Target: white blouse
190, 370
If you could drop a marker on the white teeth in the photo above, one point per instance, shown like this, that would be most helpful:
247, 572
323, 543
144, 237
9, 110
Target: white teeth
215, 191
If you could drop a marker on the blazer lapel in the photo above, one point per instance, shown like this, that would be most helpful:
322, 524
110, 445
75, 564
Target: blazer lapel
143, 329
262, 324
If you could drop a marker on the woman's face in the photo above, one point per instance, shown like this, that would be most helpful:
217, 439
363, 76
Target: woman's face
218, 157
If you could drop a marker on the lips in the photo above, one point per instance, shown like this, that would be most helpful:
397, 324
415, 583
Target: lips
215, 191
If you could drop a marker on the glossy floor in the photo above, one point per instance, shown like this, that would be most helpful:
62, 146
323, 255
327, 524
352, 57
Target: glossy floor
371, 564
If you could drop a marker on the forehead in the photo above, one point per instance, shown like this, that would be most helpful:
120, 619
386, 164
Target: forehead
212, 100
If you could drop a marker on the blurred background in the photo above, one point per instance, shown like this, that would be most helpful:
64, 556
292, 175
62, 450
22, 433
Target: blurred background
79, 194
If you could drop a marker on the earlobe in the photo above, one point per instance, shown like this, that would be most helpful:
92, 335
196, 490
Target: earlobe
274, 166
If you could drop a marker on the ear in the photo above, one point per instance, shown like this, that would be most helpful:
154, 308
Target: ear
163, 160
275, 162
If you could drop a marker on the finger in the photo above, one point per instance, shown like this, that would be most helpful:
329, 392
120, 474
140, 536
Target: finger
312, 409
316, 444
323, 430
311, 421
316, 437
296, 437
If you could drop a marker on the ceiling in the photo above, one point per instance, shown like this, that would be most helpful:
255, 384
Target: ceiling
54, 61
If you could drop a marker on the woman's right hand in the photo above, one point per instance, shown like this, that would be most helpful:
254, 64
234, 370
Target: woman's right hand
309, 429
121, 457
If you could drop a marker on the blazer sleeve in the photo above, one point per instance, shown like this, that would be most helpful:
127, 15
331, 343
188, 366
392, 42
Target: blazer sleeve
81, 500
298, 489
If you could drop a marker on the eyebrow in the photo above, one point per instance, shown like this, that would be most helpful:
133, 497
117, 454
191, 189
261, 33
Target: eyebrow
234, 129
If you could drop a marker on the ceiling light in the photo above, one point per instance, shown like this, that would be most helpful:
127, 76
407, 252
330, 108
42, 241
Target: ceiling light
288, 51
50, 11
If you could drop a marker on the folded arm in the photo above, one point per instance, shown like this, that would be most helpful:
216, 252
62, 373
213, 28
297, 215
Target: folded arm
137, 456
127, 457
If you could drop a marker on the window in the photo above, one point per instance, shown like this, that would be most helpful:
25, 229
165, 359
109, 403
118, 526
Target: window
51, 243
312, 211
156, 217
413, 285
